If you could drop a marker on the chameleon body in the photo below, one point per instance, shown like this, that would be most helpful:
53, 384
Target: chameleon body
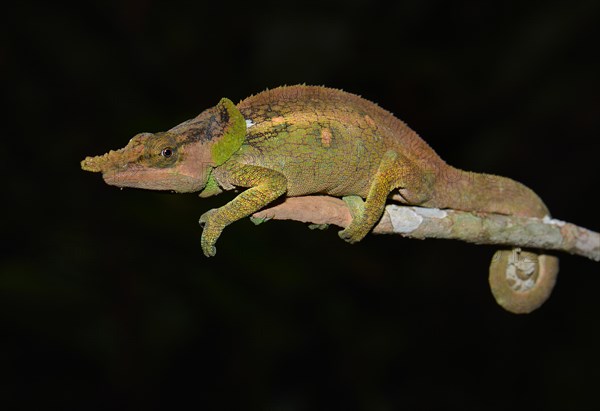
302, 140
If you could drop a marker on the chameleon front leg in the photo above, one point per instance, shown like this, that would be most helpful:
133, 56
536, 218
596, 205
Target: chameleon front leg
265, 186
394, 171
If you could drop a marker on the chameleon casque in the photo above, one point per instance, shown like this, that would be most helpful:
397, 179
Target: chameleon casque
301, 140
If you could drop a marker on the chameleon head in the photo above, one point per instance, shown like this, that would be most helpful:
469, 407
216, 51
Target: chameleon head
180, 159
154, 161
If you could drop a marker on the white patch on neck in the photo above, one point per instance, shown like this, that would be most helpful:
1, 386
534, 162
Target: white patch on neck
249, 123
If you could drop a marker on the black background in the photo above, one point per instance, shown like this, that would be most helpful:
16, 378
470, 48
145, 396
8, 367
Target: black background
106, 301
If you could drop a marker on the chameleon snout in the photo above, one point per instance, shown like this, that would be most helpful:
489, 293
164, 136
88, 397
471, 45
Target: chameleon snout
113, 160
101, 164
93, 164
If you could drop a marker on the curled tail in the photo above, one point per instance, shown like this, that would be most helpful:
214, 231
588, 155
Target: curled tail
521, 281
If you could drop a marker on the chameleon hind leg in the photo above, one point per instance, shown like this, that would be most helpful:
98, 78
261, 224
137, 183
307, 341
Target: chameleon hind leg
394, 171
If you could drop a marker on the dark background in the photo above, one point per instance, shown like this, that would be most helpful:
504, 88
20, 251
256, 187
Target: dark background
106, 301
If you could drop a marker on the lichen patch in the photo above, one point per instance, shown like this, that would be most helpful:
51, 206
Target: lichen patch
430, 212
404, 220
552, 221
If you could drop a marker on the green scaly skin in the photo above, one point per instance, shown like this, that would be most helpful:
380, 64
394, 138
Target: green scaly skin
303, 140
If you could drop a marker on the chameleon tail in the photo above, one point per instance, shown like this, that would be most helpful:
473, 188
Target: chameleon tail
521, 281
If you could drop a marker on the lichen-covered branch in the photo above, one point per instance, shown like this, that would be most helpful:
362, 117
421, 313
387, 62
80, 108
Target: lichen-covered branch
418, 222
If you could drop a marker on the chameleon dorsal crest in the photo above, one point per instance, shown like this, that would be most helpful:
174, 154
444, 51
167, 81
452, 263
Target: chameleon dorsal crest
234, 131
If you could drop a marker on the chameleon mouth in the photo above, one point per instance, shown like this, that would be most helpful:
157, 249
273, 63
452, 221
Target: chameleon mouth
135, 176
127, 176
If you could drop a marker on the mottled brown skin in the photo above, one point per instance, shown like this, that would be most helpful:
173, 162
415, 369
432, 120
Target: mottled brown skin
302, 140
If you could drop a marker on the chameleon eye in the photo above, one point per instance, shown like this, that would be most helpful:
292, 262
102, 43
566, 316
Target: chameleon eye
166, 152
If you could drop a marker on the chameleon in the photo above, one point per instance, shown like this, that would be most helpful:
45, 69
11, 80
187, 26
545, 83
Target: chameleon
301, 140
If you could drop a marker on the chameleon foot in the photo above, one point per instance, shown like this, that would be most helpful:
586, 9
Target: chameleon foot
210, 233
353, 233
355, 230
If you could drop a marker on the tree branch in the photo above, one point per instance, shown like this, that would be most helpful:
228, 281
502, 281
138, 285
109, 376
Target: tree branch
417, 222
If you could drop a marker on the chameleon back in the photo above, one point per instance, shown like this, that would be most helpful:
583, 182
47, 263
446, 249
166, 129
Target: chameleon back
324, 140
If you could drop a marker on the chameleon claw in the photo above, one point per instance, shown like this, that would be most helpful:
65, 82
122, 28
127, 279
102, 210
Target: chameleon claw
208, 243
210, 233
209, 251
349, 236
